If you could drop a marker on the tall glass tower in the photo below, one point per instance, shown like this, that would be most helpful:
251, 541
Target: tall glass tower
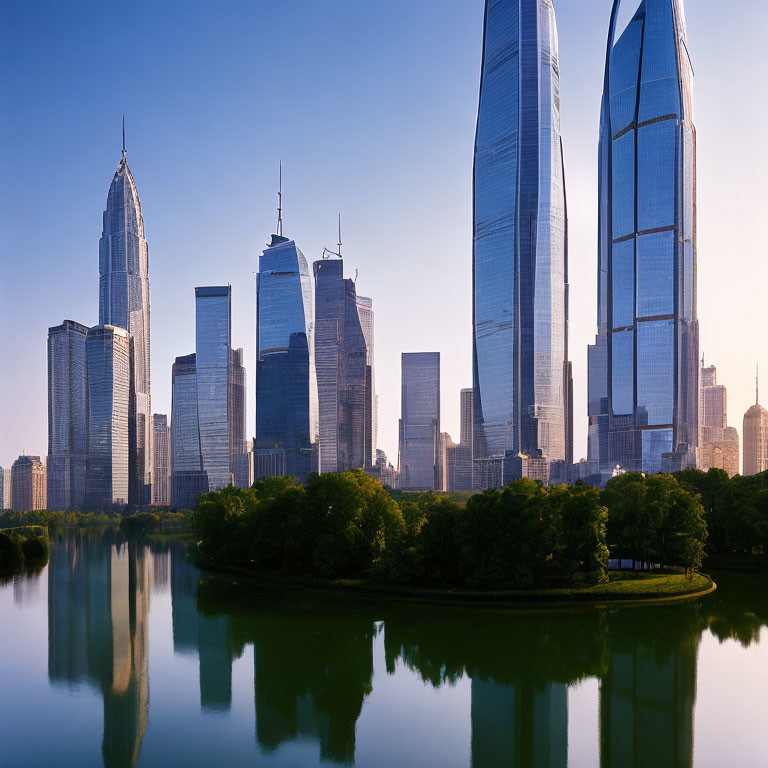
645, 360
124, 303
520, 278
286, 384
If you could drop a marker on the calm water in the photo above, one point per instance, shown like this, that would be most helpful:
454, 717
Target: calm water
121, 654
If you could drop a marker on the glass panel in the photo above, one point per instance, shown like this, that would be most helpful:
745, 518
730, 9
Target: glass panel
623, 283
655, 274
655, 372
656, 175
623, 372
624, 185
655, 442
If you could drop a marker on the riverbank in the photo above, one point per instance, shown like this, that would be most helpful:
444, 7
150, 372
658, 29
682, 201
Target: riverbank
622, 588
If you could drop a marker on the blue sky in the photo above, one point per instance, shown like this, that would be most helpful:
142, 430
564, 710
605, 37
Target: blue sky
371, 107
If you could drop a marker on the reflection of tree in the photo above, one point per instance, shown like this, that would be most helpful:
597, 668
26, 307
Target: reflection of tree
739, 609
648, 692
313, 665
98, 606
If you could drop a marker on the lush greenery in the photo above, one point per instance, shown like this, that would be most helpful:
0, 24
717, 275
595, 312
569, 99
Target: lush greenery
736, 511
55, 519
157, 523
23, 547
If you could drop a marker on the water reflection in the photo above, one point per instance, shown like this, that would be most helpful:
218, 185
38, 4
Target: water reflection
313, 658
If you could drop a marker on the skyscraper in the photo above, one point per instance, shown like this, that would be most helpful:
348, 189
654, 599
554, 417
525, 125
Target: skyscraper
755, 436
161, 459
124, 303
286, 386
365, 311
188, 480
111, 423
29, 484
644, 365
420, 421
520, 276
343, 371
67, 416
5, 499
466, 410
718, 443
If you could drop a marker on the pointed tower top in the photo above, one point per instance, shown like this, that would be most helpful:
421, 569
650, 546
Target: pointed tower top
757, 384
280, 202
339, 234
123, 137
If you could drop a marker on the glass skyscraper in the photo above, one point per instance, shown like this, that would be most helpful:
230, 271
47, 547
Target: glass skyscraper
161, 459
124, 303
420, 421
644, 365
344, 384
520, 278
286, 385
111, 420
67, 415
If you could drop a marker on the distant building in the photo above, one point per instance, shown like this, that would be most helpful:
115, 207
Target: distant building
67, 416
343, 375
718, 443
383, 471
365, 311
466, 406
111, 403
458, 462
187, 477
755, 435
242, 466
419, 421
444, 444
5, 488
286, 385
29, 484
161, 455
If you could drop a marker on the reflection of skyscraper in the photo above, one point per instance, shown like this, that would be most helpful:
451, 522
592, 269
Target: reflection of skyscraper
520, 726
286, 385
645, 360
420, 421
67, 416
98, 609
124, 303
520, 292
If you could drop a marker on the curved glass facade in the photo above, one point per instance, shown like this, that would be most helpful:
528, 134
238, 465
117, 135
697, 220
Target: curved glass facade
286, 386
647, 251
124, 303
520, 301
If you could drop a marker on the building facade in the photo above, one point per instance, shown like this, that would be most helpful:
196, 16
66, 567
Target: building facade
644, 364
161, 460
111, 422
755, 436
420, 421
718, 443
5, 488
124, 303
520, 274
67, 416
344, 374
188, 480
29, 485
366, 315
286, 385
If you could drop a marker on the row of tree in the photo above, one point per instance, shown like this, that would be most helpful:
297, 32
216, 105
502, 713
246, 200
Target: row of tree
349, 526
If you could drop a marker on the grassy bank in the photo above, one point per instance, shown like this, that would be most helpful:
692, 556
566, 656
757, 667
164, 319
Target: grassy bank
24, 547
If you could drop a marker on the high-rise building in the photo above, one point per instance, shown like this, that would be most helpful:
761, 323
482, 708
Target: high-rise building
718, 443
188, 480
5, 499
161, 459
124, 303
644, 364
365, 312
344, 375
466, 399
29, 484
238, 445
755, 436
67, 416
520, 285
111, 423
458, 467
420, 421
242, 466
286, 386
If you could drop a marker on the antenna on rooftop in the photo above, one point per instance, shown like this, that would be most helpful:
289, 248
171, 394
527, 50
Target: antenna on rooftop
123, 137
280, 202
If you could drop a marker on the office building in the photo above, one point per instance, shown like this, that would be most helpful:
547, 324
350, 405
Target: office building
755, 436
718, 443
124, 303
161, 460
111, 423
67, 416
644, 364
520, 265
29, 486
420, 421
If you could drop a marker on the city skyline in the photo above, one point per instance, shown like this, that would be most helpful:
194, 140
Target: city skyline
395, 320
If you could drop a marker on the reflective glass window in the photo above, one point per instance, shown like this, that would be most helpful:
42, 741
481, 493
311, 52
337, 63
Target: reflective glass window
622, 377
655, 443
656, 146
656, 274
655, 372
623, 203
623, 272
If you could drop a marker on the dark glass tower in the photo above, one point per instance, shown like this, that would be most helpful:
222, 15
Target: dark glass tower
644, 365
124, 303
520, 291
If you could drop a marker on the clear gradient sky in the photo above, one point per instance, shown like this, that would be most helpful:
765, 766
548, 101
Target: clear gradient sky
371, 107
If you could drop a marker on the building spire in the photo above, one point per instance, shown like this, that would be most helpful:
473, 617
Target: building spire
123, 137
280, 202
757, 384
339, 234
